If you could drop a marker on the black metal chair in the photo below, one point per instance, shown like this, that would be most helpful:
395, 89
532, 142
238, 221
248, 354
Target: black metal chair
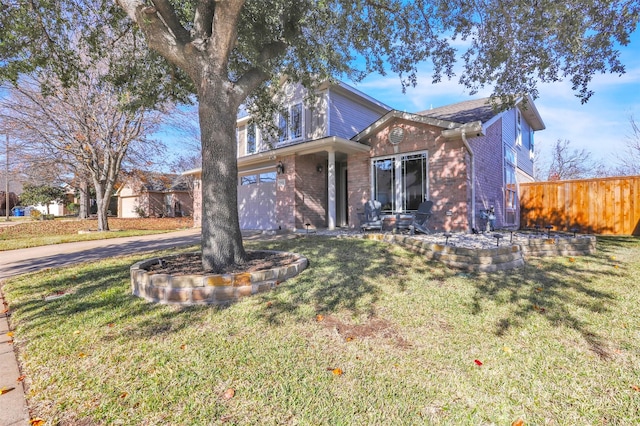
421, 218
371, 217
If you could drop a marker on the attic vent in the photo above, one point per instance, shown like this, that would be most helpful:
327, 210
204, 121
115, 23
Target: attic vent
396, 135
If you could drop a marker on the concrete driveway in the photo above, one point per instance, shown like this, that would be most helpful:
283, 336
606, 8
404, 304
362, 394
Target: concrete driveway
13, 407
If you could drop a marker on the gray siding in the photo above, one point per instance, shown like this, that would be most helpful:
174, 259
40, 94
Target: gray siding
348, 117
509, 136
525, 162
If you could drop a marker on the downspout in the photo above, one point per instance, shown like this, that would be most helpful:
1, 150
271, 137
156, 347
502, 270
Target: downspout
473, 178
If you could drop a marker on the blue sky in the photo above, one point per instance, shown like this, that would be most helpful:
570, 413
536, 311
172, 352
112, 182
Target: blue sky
600, 126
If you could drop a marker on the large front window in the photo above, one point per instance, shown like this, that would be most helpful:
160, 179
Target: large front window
400, 182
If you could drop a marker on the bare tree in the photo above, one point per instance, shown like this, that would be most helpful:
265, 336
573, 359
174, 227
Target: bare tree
629, 160
568, 163
84, 128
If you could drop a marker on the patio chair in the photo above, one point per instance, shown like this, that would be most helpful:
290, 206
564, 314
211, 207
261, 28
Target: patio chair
421, 218
371, 217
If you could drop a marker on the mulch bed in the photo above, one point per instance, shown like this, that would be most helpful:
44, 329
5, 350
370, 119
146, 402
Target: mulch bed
191, 263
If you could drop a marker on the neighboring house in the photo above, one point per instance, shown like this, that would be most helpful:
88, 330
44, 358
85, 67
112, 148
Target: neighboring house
59, 208
347, 148
148, 194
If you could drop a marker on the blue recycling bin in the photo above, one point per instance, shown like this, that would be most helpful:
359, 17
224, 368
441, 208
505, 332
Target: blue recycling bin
17, 211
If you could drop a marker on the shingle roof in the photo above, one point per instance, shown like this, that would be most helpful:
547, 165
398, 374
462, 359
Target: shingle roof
463, 112
159, 182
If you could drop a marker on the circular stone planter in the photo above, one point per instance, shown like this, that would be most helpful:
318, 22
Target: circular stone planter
208, 289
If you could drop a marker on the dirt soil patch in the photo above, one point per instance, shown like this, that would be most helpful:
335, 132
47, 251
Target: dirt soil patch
374, 327
191, 263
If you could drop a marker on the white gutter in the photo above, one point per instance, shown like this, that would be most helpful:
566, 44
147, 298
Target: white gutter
475, 128
473, 178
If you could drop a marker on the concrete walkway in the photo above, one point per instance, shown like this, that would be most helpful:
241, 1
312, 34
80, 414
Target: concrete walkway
13, 407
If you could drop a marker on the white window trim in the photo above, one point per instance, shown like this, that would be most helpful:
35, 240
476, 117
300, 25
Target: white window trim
518, 128
246, 138
399, 192
287, 108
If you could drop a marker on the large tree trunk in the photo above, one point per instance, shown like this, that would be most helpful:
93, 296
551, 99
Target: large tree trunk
102, 205
83, 212
221, 237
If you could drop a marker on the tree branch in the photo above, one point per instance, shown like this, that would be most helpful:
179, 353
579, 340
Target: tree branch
253, 78
168, 15
159, 36
203, 20
224, 33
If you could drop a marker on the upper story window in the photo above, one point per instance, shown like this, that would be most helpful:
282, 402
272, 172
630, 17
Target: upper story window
251, 138
518, 128
532, 152
290, 123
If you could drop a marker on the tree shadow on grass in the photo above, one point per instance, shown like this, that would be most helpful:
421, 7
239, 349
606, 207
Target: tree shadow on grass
343, 274
555, 288
88, 292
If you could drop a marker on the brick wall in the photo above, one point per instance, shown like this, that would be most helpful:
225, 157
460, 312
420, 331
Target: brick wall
310, 192
448, 166
285, 193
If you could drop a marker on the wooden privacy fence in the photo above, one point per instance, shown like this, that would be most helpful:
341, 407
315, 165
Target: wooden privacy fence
597, 206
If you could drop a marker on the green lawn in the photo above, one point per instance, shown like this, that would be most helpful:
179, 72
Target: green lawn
27, 233
559, 343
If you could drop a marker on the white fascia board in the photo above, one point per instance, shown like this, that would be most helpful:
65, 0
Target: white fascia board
404, 116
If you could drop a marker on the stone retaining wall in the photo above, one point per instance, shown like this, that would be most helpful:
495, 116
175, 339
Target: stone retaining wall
494, 259
211, 289
578, 246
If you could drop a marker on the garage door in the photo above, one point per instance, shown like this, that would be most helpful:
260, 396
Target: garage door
257, 201
129, 205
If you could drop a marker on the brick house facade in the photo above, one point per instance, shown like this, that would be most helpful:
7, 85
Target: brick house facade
464, 157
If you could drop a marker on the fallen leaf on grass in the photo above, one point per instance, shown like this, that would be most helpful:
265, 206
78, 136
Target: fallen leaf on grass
518, 422
478, 362
635, 388
269, 304
10, 334
538, 288
507, 349
111, 324
5, 390
572, 259
183, 347
319, 317
124, 395
36, 422
21, 378
337, 372
228, 394
82, 355
539, 308
348, 338
76, 332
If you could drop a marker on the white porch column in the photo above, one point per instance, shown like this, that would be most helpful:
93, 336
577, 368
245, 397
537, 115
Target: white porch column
331, 190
